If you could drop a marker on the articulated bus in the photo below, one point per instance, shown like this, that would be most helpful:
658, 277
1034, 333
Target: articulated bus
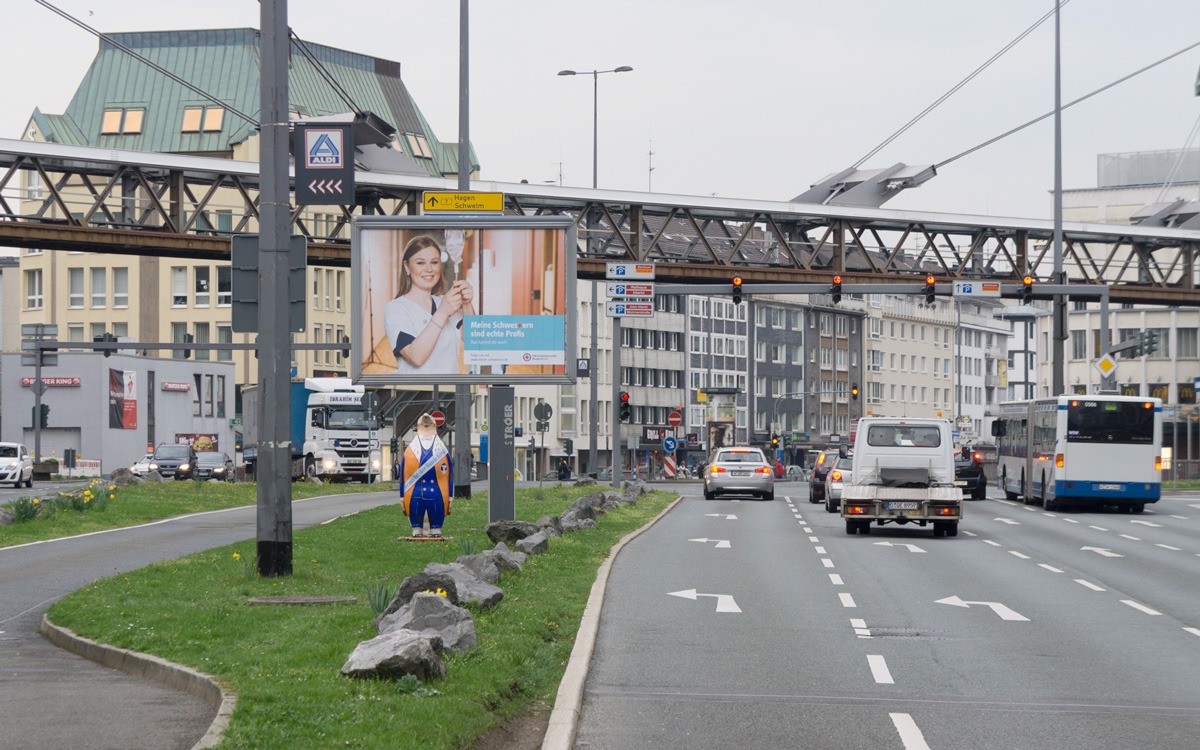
1081, 450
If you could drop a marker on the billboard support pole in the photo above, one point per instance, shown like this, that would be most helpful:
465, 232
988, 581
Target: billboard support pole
501, 454
462, 393
274, 527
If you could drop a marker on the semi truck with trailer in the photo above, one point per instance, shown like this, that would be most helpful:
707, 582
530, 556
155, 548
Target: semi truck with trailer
333, 434
902, 473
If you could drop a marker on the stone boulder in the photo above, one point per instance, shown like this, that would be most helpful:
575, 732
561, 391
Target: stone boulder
509, 531
431, 614
482, 565
471, 590
123, 477
415, 584
505, 559
550, 525
574, 523
585, 482
535, 544
396, 654
154, 477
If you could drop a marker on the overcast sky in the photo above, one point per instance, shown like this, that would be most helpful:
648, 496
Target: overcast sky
746, 99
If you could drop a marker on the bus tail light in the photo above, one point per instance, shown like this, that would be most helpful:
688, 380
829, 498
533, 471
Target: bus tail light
1058, 460
1158, 463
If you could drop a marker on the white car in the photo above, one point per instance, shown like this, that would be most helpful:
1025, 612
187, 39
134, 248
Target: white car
142, 467
16, 465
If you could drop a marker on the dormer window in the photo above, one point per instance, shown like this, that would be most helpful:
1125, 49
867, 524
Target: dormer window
418, 145
202, 119
120, 121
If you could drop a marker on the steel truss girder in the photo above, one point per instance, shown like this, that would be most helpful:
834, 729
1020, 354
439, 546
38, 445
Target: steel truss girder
151, 205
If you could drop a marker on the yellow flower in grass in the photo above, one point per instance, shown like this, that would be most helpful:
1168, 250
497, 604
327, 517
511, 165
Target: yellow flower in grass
236, 556
112, 497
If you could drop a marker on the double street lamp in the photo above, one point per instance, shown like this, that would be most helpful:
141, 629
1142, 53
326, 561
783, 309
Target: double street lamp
593, 427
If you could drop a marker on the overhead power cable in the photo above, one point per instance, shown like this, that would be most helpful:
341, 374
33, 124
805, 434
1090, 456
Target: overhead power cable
324, 73
957, 86
1085, 97
155, 66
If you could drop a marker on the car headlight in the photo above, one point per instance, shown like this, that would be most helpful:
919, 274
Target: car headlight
10, 465
153, 467
183, 467
218, 470
329, 463
376, 463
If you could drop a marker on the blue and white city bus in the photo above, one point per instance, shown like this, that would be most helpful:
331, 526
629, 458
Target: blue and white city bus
1081, 450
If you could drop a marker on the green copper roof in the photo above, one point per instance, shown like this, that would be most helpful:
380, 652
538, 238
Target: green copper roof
225, 63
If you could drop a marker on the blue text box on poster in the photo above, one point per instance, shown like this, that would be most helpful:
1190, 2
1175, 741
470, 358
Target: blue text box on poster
514, 340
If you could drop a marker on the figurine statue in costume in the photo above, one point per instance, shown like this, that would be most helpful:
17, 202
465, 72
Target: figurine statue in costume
426, 479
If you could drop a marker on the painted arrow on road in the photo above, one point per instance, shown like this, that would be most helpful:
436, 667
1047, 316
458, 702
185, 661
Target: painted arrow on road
1101, 551
725, 602
1008, 521
1004, 612
911, 547
721, 543
1149, 523
726, 516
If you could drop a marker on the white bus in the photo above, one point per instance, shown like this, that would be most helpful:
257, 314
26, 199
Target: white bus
1081, 450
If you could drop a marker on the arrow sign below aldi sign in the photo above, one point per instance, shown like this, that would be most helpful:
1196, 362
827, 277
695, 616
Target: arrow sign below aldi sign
629, 271
621, 289
630, 309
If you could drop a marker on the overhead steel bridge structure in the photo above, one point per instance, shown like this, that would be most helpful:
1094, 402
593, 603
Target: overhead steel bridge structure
56, 197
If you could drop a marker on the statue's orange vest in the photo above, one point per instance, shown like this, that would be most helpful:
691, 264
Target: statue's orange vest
412, 462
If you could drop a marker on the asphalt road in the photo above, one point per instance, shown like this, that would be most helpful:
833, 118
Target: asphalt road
1030, 630
52, 699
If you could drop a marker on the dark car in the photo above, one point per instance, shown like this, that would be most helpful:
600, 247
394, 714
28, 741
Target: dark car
816, 482
969, 475
214, 465
174, 460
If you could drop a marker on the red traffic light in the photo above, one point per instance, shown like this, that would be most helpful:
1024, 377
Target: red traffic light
737, 280
624, 396
837, 279
930, 279
1028, 280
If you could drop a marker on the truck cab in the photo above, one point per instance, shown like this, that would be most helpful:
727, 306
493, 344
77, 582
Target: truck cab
340, 438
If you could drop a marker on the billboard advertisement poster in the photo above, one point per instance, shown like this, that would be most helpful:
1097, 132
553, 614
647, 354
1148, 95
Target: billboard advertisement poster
467, 299
122, 399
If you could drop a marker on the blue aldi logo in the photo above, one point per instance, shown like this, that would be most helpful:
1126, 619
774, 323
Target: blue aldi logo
323, 149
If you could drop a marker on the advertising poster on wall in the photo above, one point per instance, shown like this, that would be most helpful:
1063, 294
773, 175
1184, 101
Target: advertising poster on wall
463, 300
122, 399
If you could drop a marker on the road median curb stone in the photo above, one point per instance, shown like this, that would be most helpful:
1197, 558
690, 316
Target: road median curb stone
153, 668
564, 718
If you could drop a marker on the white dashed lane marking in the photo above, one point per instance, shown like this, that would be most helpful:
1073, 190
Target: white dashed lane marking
820, 550
989, 541
1141, 607
1098, 528
1134, 538
1014, 553
1088, 584
879, 670
1167, 546
827, 562
847, 601
1050, 568
836, 579
910, 733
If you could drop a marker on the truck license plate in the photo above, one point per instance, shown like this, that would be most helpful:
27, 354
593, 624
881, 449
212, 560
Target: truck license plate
902, 505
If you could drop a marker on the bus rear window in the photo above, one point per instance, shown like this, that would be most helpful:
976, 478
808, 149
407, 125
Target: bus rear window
1110, 422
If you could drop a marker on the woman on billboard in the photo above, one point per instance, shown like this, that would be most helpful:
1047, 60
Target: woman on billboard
424, 321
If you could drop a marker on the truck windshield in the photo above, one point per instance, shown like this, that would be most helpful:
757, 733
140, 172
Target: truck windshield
349, 419
1110, 422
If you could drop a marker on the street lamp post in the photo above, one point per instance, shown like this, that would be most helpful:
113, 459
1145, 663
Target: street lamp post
593, 374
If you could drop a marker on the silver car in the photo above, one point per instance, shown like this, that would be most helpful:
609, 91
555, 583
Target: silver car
838, 476
739, 471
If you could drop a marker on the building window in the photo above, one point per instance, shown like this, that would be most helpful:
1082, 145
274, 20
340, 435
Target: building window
341, 335
1078, 344
120, 287
1185, 343
122, 121
202, 119
203, 290
224, 336
99, 287
75, 332
1164, 343
178, 286
328, 289
202, 337
339, 291
418, 145
75, 287
33, 290
178, 331
224, 286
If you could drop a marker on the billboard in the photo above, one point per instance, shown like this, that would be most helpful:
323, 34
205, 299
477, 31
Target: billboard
122, 399
448, 300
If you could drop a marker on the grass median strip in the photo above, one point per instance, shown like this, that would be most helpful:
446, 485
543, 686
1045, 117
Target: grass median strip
153, 501
283, 662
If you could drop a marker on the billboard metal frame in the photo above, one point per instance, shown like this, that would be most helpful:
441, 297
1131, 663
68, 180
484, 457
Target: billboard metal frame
360, 347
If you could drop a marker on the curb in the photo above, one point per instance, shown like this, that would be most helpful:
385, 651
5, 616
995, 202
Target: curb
153, 668
564, 718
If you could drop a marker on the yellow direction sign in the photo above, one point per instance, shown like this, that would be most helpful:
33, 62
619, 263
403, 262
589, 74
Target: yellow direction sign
1105, 365
463, 203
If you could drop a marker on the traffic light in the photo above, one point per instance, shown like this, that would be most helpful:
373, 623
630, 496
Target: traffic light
835, 289
626, 407
737, 290
774, 441
44, 417
568, 446
930, 290
1151, 342
854, 392
106, 337
1027, 292
187, 339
